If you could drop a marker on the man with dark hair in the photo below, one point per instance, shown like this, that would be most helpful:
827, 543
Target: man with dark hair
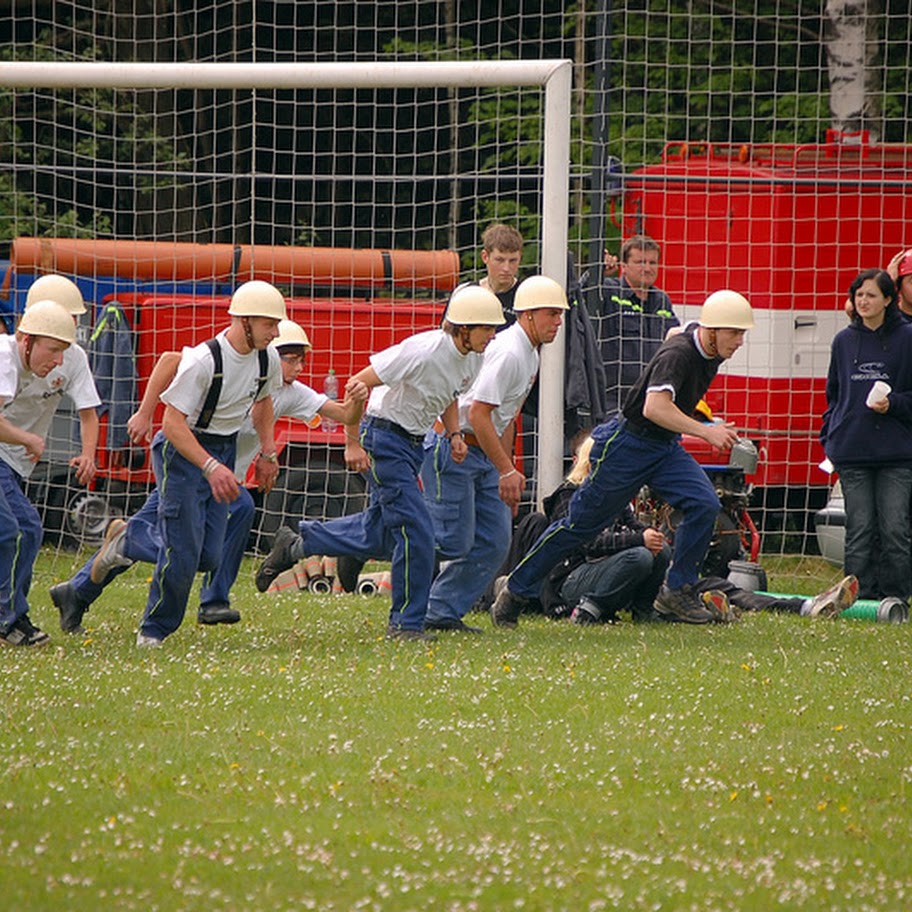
632, 317
643, 447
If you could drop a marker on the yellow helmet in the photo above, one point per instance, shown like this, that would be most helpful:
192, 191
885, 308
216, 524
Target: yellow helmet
57, 288
291, 334
473, 305
702, 411
726, 309
539, 291
48, 318
258, 299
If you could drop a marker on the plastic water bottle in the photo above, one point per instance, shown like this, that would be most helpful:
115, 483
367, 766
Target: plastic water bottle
331, 388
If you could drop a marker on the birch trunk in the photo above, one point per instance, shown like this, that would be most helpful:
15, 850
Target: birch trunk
851, 39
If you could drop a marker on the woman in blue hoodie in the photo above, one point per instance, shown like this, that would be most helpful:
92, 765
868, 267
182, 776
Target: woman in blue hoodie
870, 442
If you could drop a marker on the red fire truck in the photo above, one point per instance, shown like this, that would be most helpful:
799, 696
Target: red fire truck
352, 303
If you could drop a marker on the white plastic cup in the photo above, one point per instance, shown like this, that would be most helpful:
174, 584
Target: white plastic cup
880, 390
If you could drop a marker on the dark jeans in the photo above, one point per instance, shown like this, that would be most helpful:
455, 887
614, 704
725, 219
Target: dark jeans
878, 538
630, 578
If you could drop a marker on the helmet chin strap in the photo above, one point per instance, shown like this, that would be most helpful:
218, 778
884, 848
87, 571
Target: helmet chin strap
248, 333
29, 345
533, 330
711, 348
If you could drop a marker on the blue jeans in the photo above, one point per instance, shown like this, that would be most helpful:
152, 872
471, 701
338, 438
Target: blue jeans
472, 526
20, 541
630, 578
396, 525
622, 462
191, 525
878, 538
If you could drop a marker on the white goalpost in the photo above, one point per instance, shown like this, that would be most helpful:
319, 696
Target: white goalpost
551, 77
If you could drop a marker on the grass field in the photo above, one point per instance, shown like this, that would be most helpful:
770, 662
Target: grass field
299, 760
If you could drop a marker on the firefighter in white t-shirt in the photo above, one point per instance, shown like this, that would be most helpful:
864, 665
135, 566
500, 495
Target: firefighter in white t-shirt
36, 350
218, 383
472, 502
413, 383
137, 539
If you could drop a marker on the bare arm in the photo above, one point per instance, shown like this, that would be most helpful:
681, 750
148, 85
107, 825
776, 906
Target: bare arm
9, 433
659, 408
139, 426
450, 417
84, 463
355, 456
512, 481
351, 408
262, 415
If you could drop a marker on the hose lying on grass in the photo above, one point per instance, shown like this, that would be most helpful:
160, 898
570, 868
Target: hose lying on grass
890, 610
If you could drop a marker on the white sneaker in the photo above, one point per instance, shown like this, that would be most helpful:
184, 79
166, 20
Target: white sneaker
835, 600
147, 642
110, 554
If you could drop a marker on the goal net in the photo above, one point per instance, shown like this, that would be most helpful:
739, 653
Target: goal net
761, 144
327, 180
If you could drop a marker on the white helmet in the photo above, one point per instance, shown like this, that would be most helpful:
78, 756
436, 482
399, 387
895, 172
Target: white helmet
472, 305
539, 291
56, 288
726, 309
258, 299
48, 318
290, 334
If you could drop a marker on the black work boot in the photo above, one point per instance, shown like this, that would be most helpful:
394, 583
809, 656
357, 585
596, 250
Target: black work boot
279, 558
217, 613
71, 609
682, 605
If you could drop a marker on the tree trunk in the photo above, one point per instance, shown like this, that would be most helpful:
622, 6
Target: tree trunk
850, 35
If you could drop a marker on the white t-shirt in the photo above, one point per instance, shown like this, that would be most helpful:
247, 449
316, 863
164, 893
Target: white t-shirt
507, 374
424, 374
29, 401
293, 400
187, 391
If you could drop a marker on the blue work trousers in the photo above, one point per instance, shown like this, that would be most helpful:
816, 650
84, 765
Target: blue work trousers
472, 526
878, 539
191, 524
20, 540
142, 541
396, 525
216, 587
621, 463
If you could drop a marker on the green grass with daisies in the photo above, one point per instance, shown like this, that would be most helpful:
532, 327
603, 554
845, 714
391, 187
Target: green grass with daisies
299, 760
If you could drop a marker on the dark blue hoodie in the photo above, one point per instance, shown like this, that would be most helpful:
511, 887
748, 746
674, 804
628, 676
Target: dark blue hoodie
853, 434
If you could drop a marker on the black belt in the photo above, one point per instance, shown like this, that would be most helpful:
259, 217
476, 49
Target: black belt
215, 439
386, 425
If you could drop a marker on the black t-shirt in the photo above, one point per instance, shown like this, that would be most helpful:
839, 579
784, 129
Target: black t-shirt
679, 367
506, 302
